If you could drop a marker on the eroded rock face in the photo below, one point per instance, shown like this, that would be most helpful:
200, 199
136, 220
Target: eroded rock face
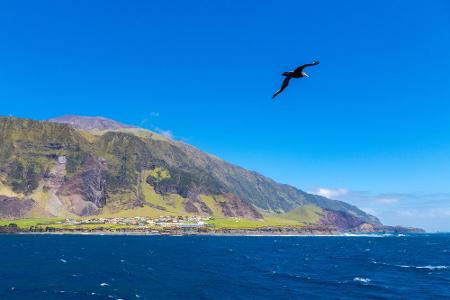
231, 206
365, 227
94, 185
340, 220
235, 207
15, 208
194, 205
77, 205
371, 228
85, 192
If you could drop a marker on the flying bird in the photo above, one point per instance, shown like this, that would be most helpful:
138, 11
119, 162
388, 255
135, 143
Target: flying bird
297, 73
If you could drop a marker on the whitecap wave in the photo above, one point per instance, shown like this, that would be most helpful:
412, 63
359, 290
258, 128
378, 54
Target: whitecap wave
425, 267
367, 234
362, 279
428, 267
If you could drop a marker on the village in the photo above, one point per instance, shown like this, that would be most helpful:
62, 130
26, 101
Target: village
142, 221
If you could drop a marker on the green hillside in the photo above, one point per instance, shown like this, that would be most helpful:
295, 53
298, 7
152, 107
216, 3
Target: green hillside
78, 169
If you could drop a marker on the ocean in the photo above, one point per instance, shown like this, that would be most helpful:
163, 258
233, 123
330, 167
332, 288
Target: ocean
224, 267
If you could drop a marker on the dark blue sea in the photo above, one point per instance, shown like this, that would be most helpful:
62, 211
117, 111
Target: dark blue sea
216, 267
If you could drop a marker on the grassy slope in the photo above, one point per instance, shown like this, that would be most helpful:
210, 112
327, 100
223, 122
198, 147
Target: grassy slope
306, 214
213, 203
27, 223
239, 223
172, 203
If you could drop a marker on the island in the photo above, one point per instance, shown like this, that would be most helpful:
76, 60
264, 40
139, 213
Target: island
95, 175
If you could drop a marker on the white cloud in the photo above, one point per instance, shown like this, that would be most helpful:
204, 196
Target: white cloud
430, 211
425, 213
331, 193
144, 121
387, 200
166, 133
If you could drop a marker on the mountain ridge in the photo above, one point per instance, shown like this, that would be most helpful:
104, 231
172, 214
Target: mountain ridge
89, 123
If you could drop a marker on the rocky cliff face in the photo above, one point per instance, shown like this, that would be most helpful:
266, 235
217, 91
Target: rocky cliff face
83, 166
340, 219
371, 228
85, 192
13, 208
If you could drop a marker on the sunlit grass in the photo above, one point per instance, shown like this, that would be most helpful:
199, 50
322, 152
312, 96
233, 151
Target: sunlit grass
239, 223
27, 223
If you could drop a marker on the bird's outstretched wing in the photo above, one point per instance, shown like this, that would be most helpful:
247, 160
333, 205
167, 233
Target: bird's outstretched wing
300, 69
283, 86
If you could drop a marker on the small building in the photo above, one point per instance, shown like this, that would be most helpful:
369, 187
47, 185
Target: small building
62, 159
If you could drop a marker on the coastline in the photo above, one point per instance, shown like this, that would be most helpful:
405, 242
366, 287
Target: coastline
176, 233
40, 227
241, 233
205, 234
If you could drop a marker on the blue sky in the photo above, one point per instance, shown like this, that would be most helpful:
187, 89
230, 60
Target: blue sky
372, 121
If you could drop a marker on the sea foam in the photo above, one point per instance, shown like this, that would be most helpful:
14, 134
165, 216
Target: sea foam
362, 279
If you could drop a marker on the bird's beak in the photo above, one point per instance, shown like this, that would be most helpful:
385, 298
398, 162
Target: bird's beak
306, 75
